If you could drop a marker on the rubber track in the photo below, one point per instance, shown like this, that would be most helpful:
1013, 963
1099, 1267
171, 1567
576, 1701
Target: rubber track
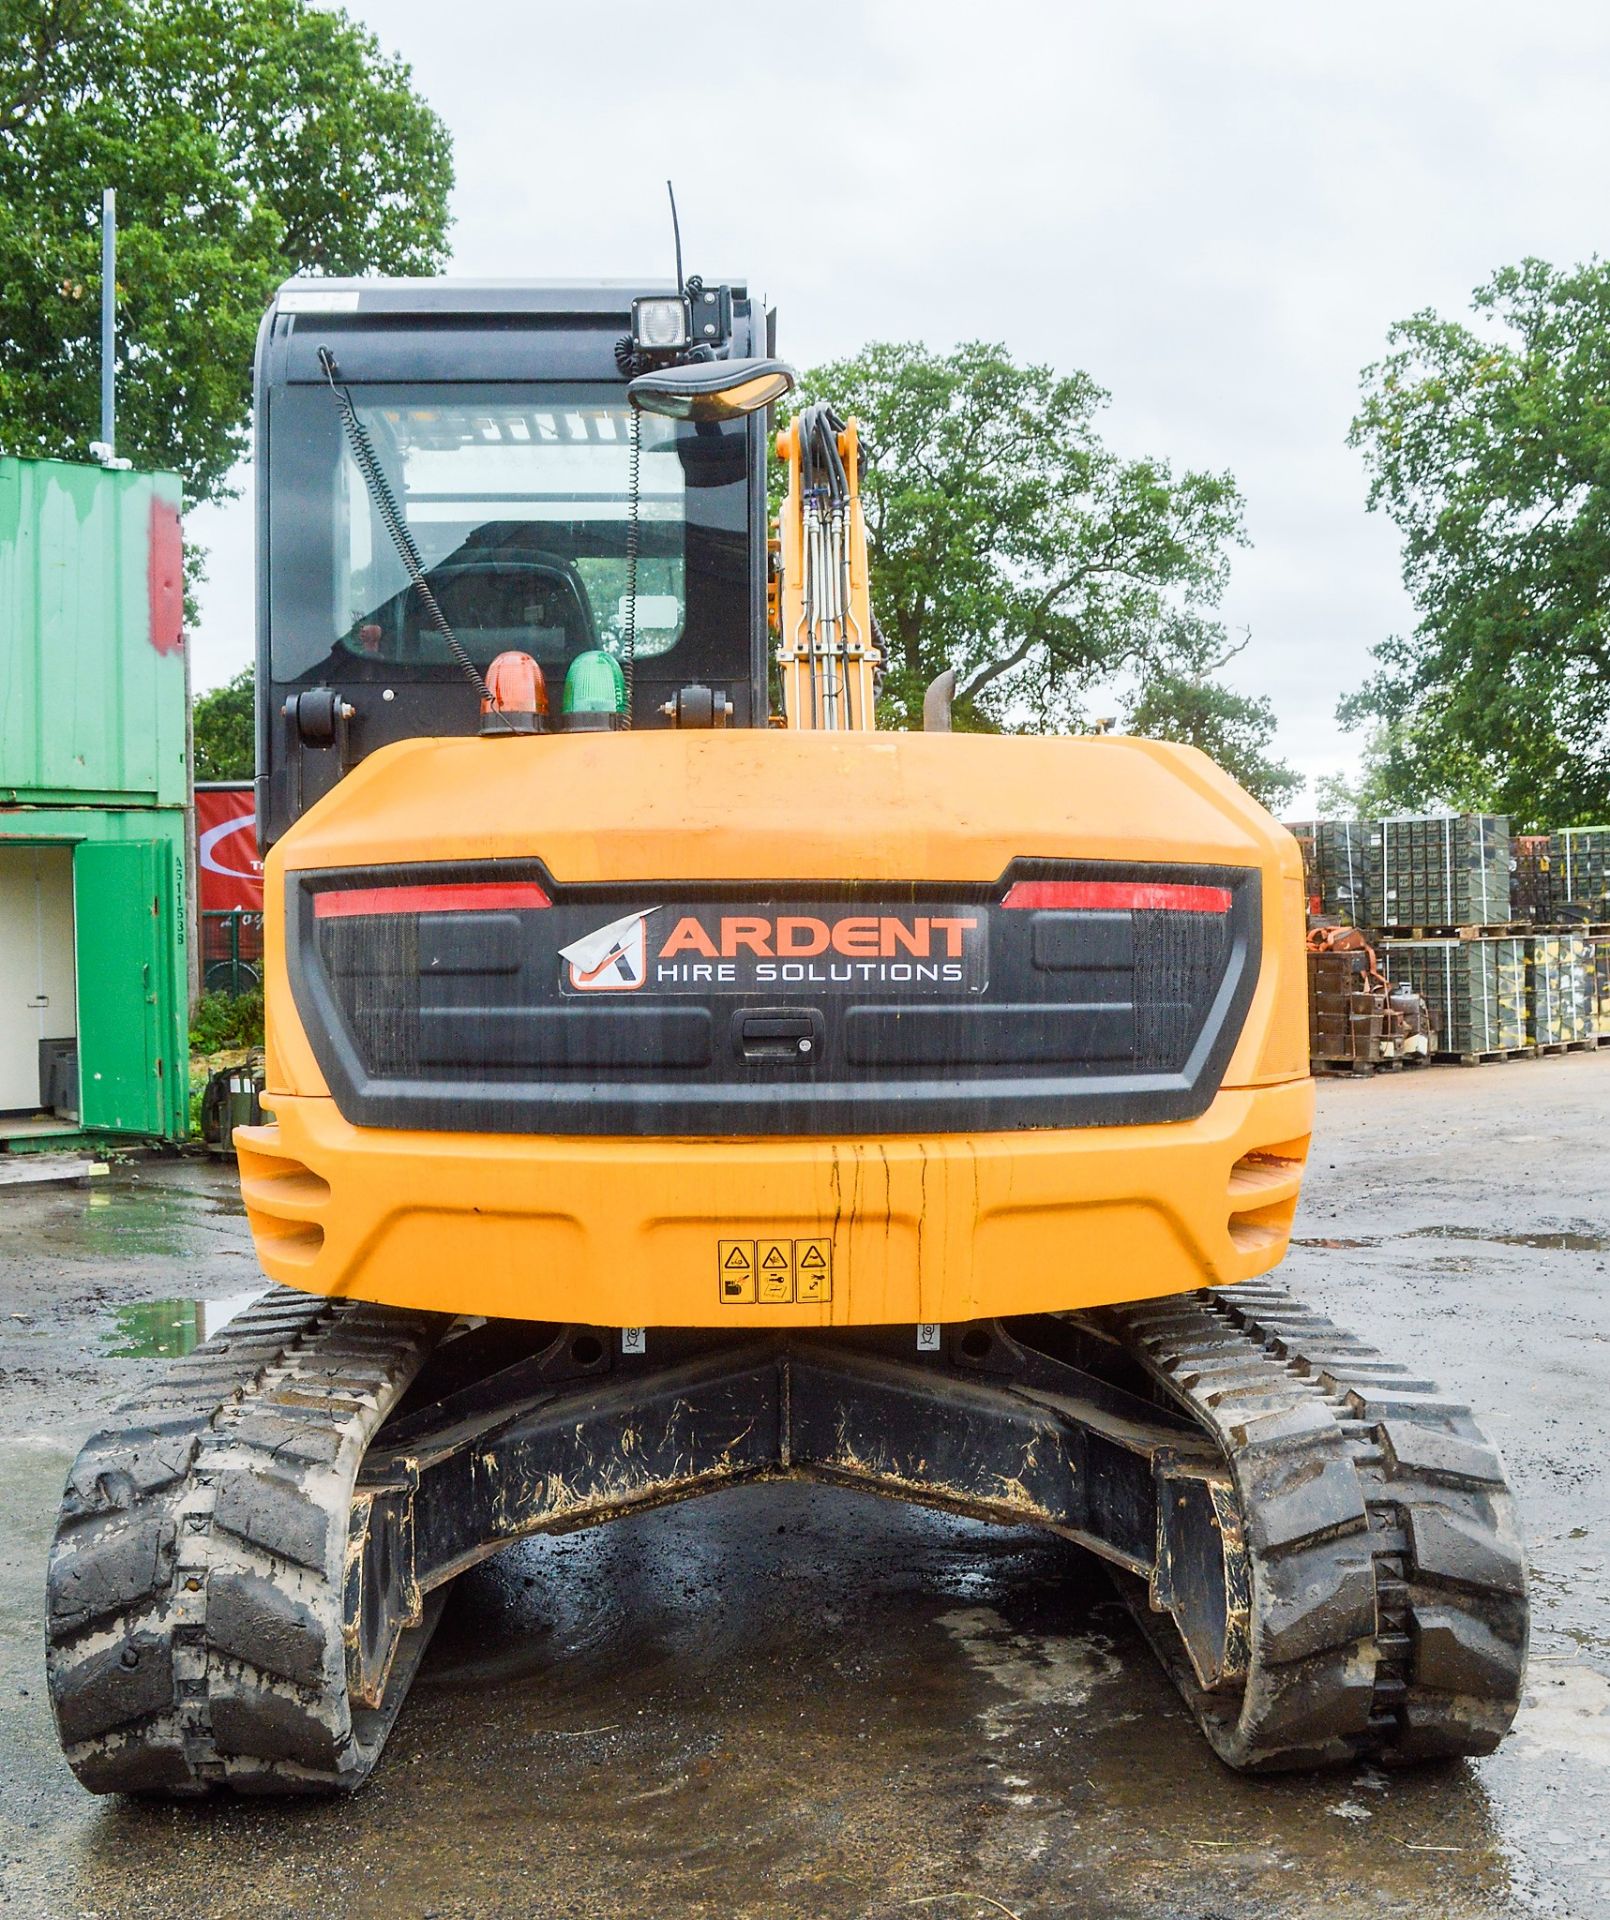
1389, 1607
195, 1588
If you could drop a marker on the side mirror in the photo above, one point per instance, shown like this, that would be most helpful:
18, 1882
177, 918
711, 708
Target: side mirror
711, 389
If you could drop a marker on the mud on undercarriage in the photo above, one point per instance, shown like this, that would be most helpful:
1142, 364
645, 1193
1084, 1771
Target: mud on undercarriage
250, 1560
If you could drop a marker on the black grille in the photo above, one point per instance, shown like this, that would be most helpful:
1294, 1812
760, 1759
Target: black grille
716, 1010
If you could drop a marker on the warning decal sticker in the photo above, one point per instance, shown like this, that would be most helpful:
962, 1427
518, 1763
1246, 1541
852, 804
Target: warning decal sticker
813, 1269
735, 1262
774, 1272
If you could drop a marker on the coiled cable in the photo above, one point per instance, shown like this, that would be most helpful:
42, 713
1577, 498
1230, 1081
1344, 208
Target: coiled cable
368, 464
633, 484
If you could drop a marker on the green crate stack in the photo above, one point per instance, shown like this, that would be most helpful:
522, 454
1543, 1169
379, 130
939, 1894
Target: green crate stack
1531, 881
1306, 834
1560, 989
1440, 870
1599, 959
1341, 861
1476, 989
1579, 871
1584, 989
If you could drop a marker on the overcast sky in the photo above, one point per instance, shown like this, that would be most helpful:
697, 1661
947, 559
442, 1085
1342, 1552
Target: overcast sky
1214, 210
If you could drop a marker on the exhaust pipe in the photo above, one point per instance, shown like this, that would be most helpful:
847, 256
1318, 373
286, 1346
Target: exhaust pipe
936, 702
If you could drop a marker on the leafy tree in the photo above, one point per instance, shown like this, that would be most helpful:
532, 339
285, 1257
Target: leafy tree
1395, 775
1488, 444
1007, 541
247, 140
1234, 729
1380, 785
225, 740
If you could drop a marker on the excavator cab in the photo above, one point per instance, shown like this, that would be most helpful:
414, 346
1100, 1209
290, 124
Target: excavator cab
532, 488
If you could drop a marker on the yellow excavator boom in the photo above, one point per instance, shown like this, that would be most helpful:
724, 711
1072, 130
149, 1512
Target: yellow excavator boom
827, 648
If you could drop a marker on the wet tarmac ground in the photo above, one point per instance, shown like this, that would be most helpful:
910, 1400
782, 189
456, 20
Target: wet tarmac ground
795, 1701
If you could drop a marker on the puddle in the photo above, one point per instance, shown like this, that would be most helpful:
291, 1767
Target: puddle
1555, 1242
1565, 1242
184, 1213
166, 1329
1562, 1242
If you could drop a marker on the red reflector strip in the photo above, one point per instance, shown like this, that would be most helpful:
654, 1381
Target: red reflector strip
1122, 896
476, 896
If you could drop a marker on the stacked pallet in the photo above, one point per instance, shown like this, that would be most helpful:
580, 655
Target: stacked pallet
1531, 879
1341, 867
1599, 961
1306, 834
1346, 1008
1506, 942
1431, 870
1560, 995
1357, 1021
1475, 988
1579, 858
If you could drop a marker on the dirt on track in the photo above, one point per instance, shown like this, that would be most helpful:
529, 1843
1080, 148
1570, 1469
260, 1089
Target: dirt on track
799, 1701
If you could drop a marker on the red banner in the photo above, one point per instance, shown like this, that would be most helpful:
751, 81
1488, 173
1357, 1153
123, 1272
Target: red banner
231, 875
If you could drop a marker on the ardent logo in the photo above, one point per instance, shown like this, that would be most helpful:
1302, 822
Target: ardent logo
802, 936
612, 959
812, 947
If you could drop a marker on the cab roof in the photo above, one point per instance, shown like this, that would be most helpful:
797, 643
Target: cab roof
450, 294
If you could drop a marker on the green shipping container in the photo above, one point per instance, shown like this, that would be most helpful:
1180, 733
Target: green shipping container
94, 791
92, 678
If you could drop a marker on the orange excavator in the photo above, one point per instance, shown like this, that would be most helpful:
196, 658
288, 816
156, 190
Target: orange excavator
676, 1081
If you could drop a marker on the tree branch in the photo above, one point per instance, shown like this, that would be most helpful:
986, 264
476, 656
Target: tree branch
987, 675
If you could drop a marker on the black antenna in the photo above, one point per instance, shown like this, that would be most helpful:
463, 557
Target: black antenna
676, 228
